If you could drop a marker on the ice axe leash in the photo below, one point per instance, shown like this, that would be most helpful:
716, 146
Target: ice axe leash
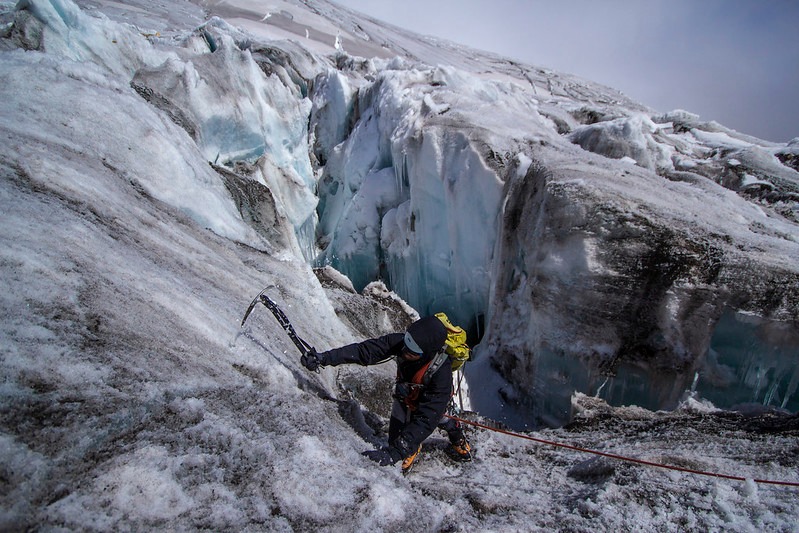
281, 317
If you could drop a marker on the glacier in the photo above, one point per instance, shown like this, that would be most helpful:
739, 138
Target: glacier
162, 162
465, 191
413, 168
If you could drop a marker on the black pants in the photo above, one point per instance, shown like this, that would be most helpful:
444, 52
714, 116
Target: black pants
401, 415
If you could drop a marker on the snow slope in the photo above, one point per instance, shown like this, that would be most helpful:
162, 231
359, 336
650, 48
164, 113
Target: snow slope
132, 400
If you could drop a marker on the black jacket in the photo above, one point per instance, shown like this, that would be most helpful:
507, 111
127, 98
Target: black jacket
433, 400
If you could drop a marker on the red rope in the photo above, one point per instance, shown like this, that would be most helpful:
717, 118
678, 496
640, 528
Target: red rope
620, 457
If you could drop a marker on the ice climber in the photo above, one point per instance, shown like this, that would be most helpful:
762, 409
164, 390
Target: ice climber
422, 392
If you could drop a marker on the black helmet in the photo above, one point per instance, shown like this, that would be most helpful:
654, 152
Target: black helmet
427, 334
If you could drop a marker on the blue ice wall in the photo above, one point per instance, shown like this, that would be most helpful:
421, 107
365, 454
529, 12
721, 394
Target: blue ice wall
752, 363
751, 360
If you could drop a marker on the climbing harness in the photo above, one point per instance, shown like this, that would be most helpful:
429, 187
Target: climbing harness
620, 457
408, 392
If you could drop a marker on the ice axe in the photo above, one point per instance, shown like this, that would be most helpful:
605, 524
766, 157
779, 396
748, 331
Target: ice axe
281, 317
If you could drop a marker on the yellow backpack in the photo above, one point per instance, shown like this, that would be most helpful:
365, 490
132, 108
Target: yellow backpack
456, 343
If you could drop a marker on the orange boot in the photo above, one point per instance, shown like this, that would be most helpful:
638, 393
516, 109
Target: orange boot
461, 451
411, 460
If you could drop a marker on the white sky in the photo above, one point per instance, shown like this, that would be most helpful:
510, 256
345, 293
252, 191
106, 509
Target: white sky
734, 61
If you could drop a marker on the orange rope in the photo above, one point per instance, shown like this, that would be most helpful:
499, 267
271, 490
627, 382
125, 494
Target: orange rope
620, 457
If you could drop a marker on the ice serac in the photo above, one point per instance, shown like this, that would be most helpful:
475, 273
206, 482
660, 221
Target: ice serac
412, 193
245, 106
622, 283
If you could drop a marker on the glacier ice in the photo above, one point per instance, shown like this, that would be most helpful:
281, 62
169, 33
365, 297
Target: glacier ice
408, 197
590, 273
751, 361
584, 273
569, 225
131, 399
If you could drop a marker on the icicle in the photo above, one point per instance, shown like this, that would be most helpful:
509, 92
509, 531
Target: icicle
599, 390
771, 393
694, 383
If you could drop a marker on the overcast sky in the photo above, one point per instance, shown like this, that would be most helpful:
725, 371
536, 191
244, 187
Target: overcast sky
733, 61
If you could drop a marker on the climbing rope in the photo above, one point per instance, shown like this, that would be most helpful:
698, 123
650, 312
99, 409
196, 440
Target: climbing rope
620, 457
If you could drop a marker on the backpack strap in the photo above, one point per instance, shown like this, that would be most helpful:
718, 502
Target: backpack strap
438, 361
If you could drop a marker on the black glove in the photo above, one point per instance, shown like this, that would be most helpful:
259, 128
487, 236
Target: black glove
311, 360
383, 456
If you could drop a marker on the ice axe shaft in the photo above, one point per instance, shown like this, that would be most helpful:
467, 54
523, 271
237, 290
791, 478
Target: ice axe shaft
281, 317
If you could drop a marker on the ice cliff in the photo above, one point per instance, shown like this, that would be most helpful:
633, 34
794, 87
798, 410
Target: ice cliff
598, 245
